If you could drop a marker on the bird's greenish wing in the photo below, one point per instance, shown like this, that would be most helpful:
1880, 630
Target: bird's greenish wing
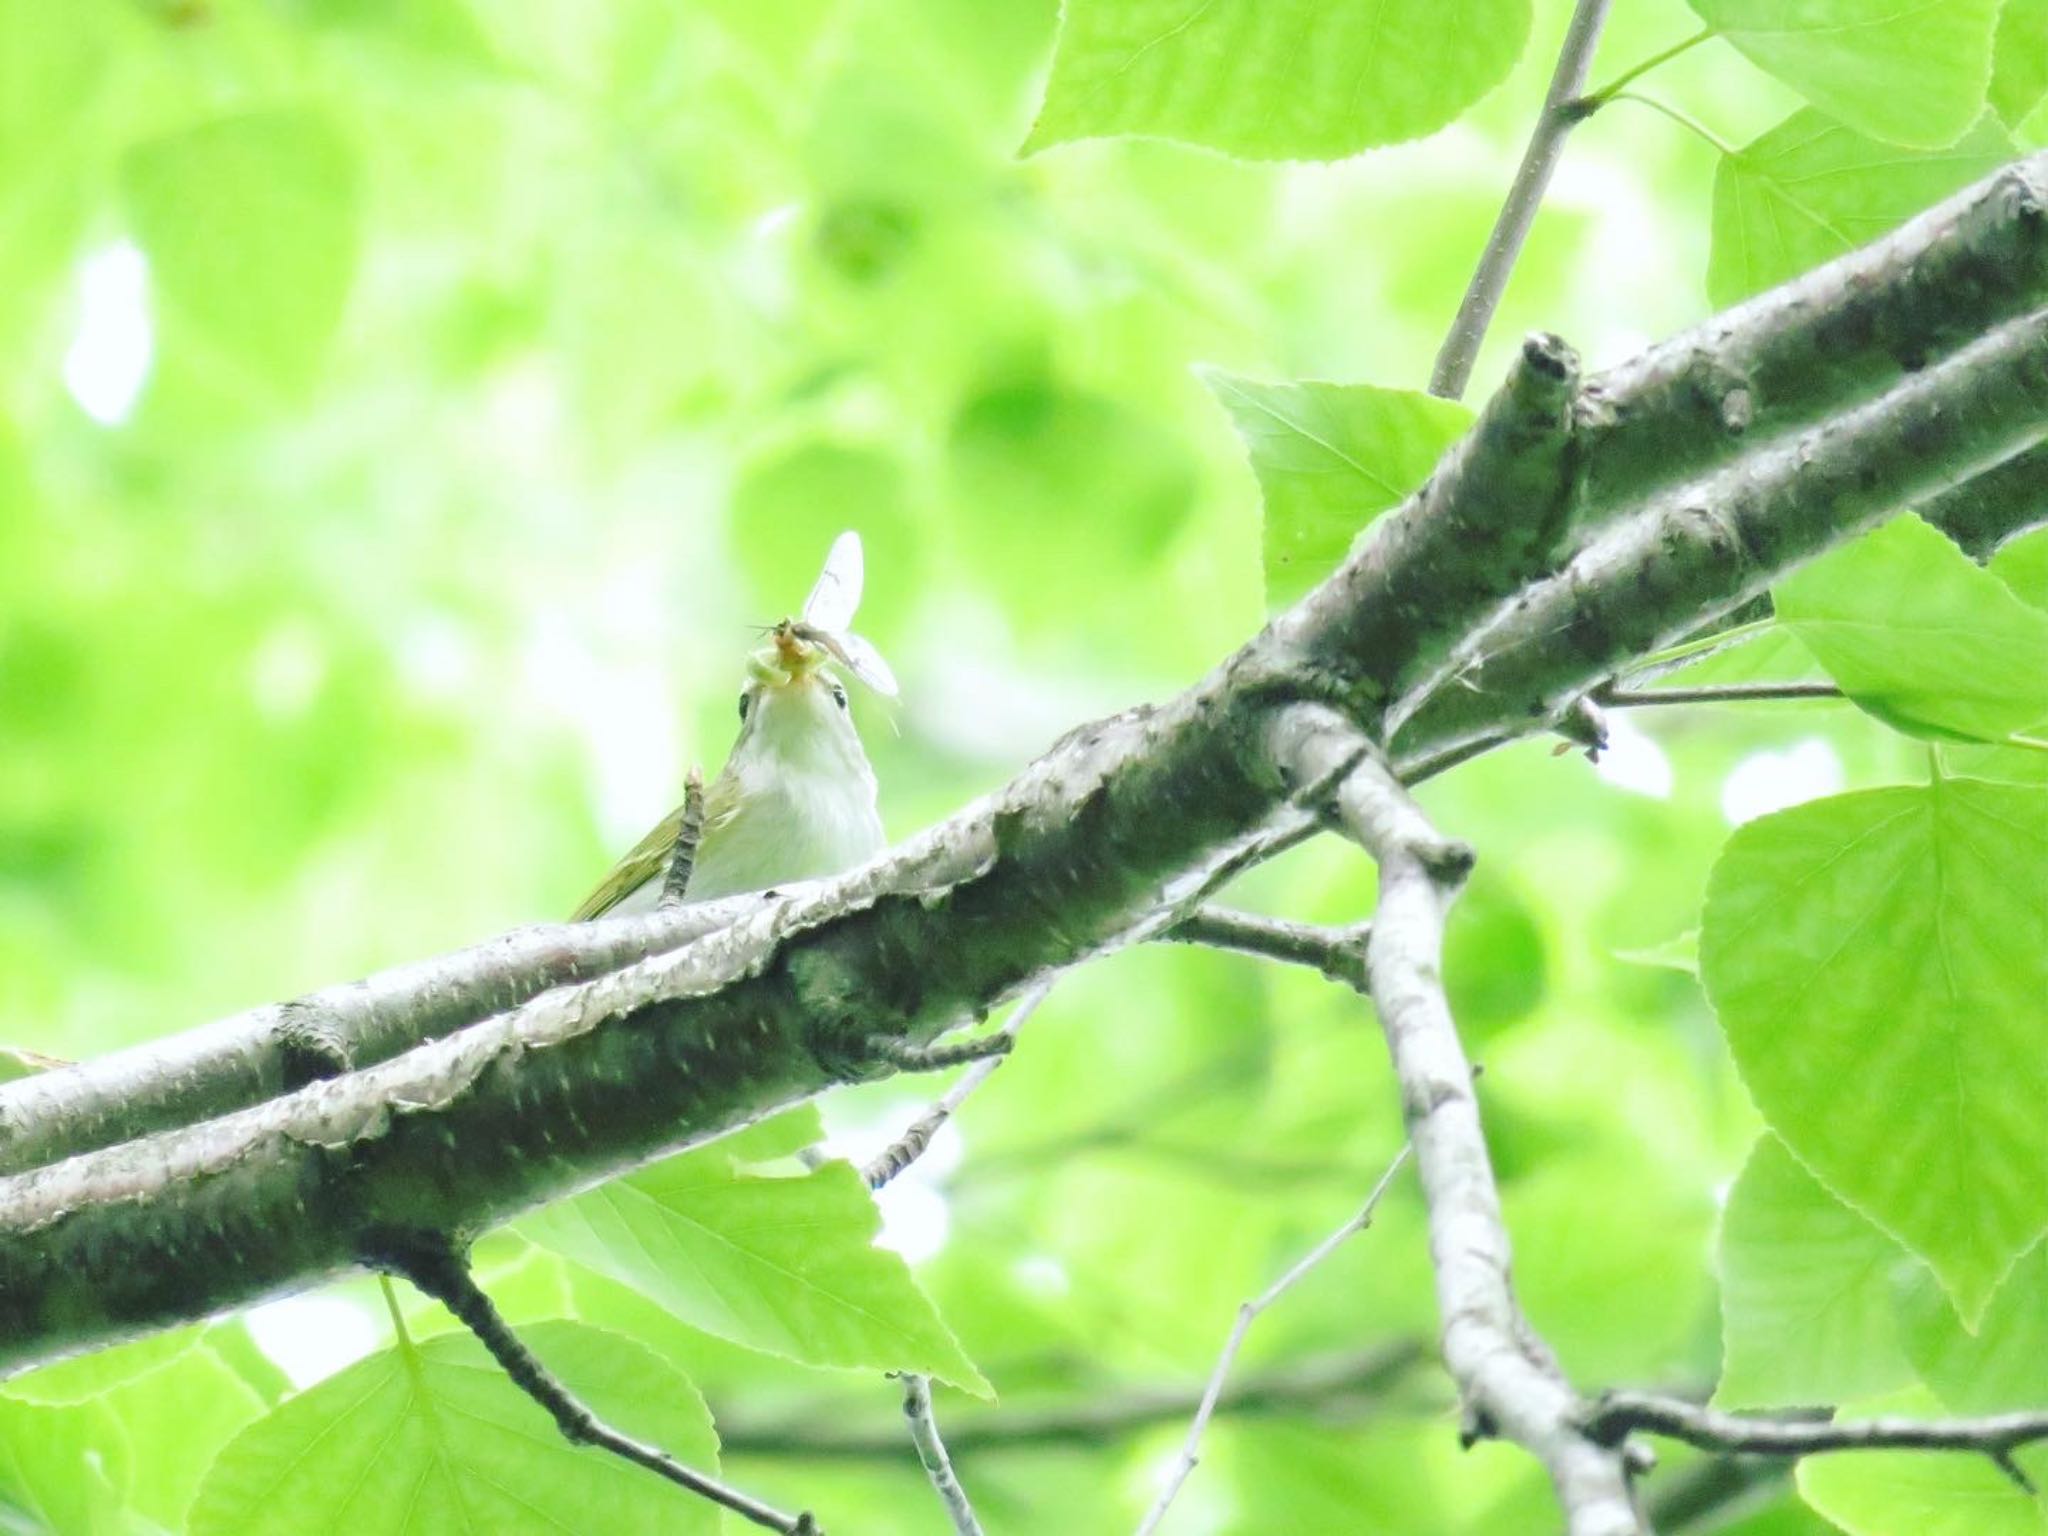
644, 861
648, 858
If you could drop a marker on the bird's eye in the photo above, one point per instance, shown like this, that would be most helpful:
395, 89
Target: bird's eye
746, 703
839, 695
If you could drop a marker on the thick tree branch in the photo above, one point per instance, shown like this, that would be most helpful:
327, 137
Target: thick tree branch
249, 1057
1098, 844
1736, 533
1447, 557
1825, 341
1510, 1383
1184, 1464
931, 1453
1562, 111
1618, 1414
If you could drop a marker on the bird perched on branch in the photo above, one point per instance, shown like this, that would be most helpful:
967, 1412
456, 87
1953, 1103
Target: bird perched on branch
796, 798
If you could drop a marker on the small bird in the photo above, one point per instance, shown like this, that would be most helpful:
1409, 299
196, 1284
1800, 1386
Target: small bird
796, 798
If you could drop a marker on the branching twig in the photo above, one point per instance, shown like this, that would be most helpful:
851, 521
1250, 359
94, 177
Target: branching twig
931, 1451
682, 858
435, 1268
1185, 1463
909, 1147
1510, 1383
1617, 1414
1561, 111
1339, 953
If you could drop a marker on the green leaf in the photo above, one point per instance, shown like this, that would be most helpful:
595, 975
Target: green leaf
1330, 458
1624, 1298
62, 1466
252, 226
432, 1437
778, 1136
1917, 1493
1922, 637
2019, 64
1275, 79
181, 1415
1811, 189
2022, 564
1905, 71
1806, 1292
1884, 988
785, 1265
1997, 1368
86, 1377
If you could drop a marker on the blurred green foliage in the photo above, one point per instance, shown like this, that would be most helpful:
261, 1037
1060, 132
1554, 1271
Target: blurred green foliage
406, 406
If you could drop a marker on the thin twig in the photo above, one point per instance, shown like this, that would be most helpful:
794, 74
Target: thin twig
1727, 693
931, 1450
1339, 953
1621, 1413
434, 1267
1453, 370
1328, 1388
1685, 120
905, 1057
682, 858
1592, 101
909, 1147
1185, 1463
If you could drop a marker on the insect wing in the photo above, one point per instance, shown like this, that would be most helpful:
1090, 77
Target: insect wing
863, 661
834, 599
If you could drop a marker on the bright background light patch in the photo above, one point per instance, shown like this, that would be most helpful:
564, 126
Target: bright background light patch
108, 359
309, 1338
1770, 781
1632, 761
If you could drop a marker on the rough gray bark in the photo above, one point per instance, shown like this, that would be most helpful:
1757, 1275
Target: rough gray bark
1837, 336
1740, 529
1984, 512
249, 1057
